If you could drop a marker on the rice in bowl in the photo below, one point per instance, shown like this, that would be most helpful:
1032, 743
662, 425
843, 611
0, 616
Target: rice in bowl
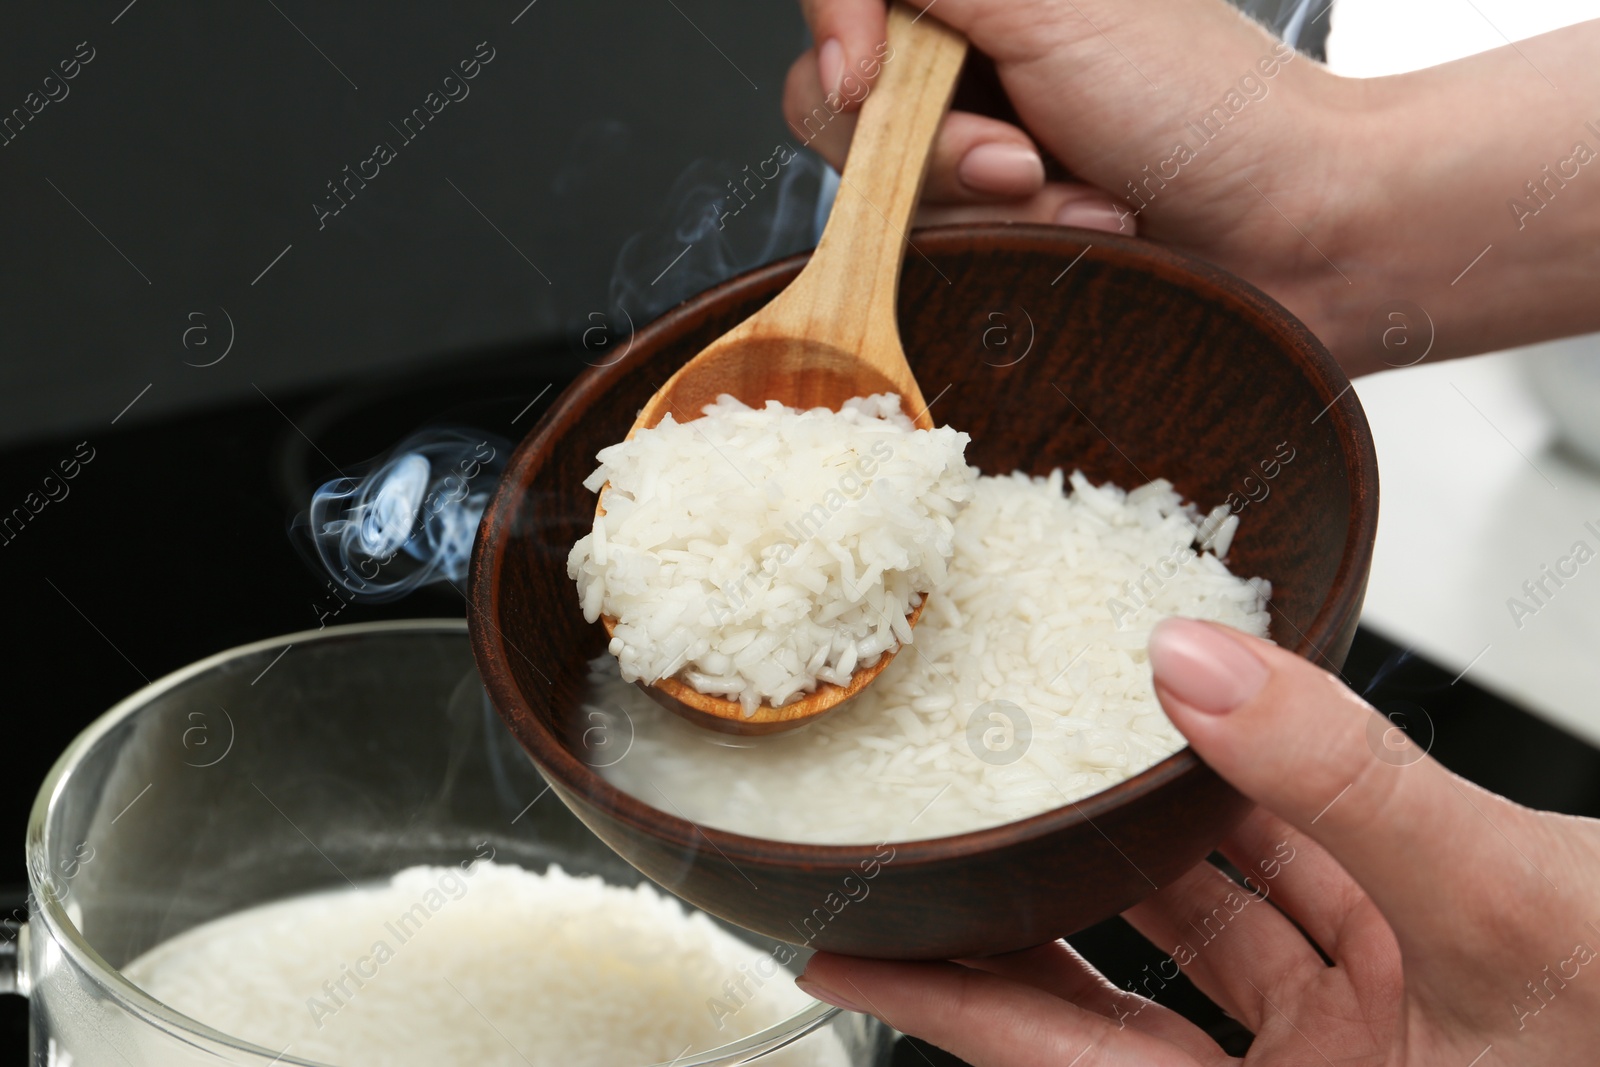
1027, 687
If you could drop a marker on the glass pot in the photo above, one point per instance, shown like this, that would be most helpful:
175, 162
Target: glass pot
284, 767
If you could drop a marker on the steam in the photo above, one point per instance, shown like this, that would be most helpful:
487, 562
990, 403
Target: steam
721, 219
1392, 663
409, 518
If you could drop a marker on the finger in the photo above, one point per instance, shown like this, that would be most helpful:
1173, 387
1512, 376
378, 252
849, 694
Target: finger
1021, 32
982, 1018
850, 42
975, 158
1057, 204
1291, 737
1300, 877
819, 121
1058, 969
1232, 944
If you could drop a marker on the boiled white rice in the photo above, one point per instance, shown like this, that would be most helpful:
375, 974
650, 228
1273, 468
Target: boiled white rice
1028, 686
494, 965
756, 552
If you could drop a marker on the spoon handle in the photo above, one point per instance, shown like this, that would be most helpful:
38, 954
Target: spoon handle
845, 296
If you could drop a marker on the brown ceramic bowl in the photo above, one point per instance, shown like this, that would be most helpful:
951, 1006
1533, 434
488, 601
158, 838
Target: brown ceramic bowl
1052, 348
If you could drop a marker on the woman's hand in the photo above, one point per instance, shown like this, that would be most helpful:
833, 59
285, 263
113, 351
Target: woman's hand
1103, 91
1463, 929
1188, 123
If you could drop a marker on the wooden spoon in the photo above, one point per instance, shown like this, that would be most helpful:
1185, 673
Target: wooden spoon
831, 335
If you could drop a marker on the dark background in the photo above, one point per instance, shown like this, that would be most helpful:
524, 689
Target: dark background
462, 284
200, 135
142, 209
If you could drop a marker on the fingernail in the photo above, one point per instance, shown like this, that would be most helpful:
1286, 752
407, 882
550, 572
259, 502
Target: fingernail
1204, 667
1009, 170
830, 64
811, 989
1095, 215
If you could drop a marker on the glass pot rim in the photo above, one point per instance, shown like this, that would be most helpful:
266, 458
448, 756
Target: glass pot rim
111, 983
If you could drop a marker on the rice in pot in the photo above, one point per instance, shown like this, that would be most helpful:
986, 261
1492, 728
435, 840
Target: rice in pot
485, 964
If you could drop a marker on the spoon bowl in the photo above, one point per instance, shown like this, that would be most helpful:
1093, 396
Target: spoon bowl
710, 711
802, 372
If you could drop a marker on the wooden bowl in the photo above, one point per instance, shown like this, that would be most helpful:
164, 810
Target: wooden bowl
1052, 348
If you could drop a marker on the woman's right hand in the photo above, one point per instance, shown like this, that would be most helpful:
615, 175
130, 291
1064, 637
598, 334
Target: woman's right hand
1187, 122
1106, 91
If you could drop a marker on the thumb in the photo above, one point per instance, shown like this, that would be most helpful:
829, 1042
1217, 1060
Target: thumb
1294, 739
